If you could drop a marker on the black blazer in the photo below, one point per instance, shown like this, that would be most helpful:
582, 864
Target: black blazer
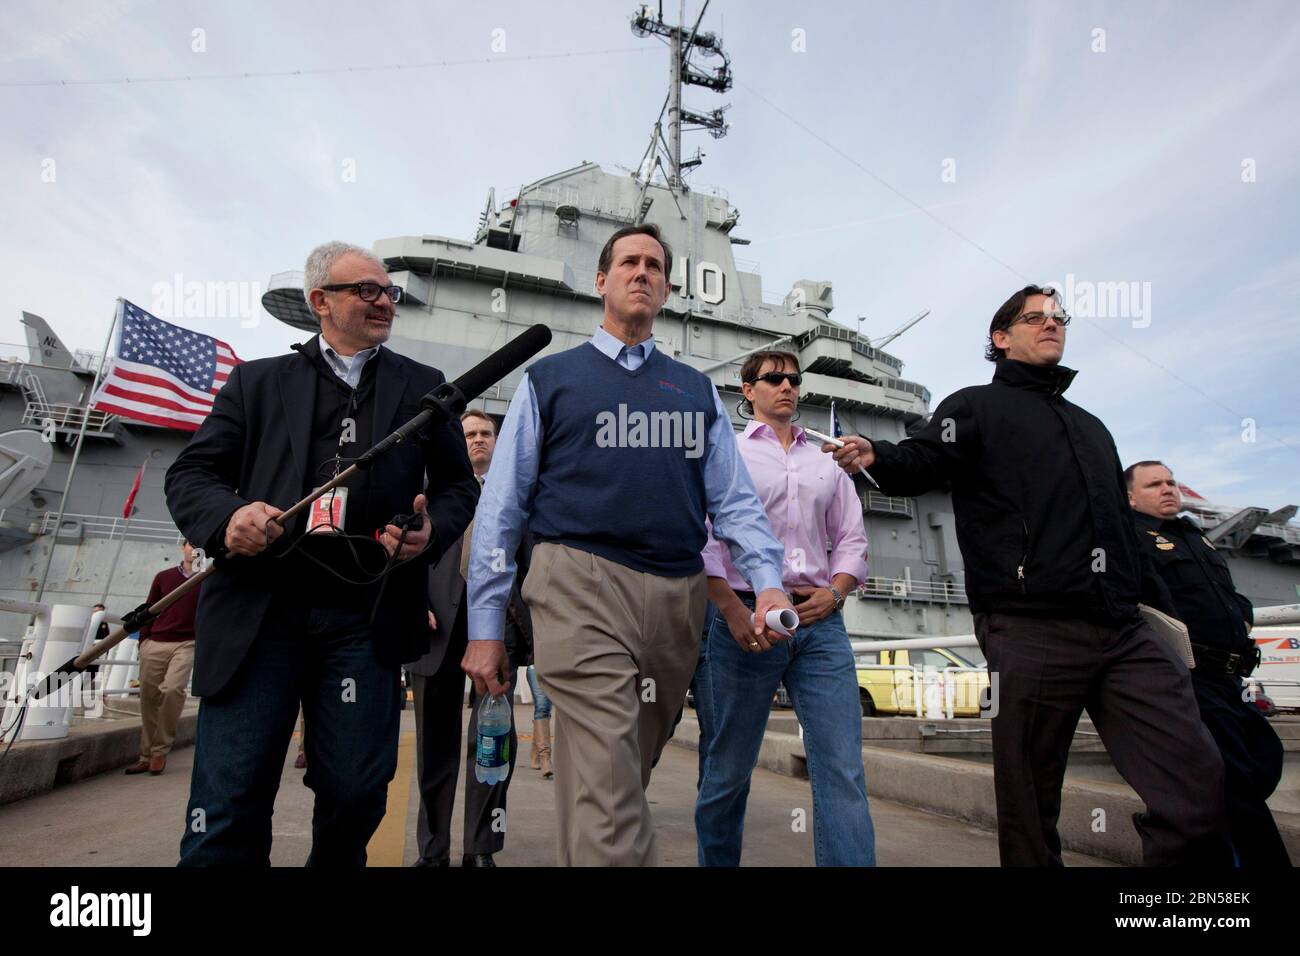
446, 595
448, 592
253, 446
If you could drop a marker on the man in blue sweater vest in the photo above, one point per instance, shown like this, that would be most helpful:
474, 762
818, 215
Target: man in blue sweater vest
613, 455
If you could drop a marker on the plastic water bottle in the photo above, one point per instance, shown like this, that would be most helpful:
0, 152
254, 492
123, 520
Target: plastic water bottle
492, 757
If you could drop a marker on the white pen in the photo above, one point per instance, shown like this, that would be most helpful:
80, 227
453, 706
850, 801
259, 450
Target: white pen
838, 444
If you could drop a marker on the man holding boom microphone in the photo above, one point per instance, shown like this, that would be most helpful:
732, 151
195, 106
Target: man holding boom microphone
613, 454
327, 617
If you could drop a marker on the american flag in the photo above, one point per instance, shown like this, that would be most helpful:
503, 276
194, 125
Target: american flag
163, 374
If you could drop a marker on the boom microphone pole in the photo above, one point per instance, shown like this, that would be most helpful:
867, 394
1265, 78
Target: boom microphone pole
443, 404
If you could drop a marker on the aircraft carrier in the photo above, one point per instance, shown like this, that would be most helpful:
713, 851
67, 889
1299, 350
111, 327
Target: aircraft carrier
530, 258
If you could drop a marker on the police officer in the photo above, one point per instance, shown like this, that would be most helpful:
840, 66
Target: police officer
1219, 621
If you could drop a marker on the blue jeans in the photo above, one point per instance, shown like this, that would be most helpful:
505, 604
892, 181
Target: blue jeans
733, 694
541, 703
352, 704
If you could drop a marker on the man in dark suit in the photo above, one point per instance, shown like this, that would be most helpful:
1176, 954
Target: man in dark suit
438, 684
297, 617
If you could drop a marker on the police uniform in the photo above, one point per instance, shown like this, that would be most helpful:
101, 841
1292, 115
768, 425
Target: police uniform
1216, 616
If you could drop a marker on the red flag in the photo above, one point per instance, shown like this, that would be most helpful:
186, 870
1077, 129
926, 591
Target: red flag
130, 499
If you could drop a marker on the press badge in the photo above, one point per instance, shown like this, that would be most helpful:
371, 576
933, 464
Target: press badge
328, 511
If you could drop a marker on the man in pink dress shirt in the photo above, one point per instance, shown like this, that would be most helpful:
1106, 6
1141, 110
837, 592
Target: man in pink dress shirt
816, 513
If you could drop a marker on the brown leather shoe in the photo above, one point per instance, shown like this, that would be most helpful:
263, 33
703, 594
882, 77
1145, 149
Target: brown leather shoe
140, 766
157, 765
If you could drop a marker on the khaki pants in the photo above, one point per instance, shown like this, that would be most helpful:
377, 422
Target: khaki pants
615, 650
164, 674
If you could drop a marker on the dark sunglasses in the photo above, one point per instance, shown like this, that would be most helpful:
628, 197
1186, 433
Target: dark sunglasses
776, 378
367, 291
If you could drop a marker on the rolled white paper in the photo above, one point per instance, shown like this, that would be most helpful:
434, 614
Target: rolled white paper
782, 620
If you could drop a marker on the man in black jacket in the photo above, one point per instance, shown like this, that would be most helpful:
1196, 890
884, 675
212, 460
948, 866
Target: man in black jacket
438, 685
1219, 619
1054, 578
294, 616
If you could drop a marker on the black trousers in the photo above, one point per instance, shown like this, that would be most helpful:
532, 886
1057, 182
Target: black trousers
1252, 762
439, 706
1140, 699
324, 659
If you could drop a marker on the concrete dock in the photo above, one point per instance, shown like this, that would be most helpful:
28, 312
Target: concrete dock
67, 803
109, 819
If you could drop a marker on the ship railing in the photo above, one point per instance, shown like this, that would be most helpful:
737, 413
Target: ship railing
589, 203
112, 526
87, 359
67, 417
11, 372
878, 503
936, 592
710, 189
14, 371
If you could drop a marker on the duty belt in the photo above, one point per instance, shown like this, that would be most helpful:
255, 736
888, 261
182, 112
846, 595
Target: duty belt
1217, 660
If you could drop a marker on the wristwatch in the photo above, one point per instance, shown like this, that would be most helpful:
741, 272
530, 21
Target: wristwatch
839, 598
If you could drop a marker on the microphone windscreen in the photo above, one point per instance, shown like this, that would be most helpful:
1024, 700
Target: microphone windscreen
503, 361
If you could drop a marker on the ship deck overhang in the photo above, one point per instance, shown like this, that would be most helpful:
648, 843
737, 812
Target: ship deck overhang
439, 256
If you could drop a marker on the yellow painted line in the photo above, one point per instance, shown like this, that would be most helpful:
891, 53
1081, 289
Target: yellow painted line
388, 846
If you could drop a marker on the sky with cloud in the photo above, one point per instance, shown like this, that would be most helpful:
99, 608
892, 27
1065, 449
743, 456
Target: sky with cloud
921, 155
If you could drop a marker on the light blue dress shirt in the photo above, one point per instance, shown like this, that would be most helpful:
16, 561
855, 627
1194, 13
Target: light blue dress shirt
346, 367
732, 503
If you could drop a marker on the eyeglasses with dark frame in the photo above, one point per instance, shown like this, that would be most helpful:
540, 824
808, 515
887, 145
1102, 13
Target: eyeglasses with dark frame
1038, 318
776, 378
367, 291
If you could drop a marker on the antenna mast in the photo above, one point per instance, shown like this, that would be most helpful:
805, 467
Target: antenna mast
682, 43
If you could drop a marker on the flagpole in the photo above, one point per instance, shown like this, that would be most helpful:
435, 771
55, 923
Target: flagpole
117, 557
76, 452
